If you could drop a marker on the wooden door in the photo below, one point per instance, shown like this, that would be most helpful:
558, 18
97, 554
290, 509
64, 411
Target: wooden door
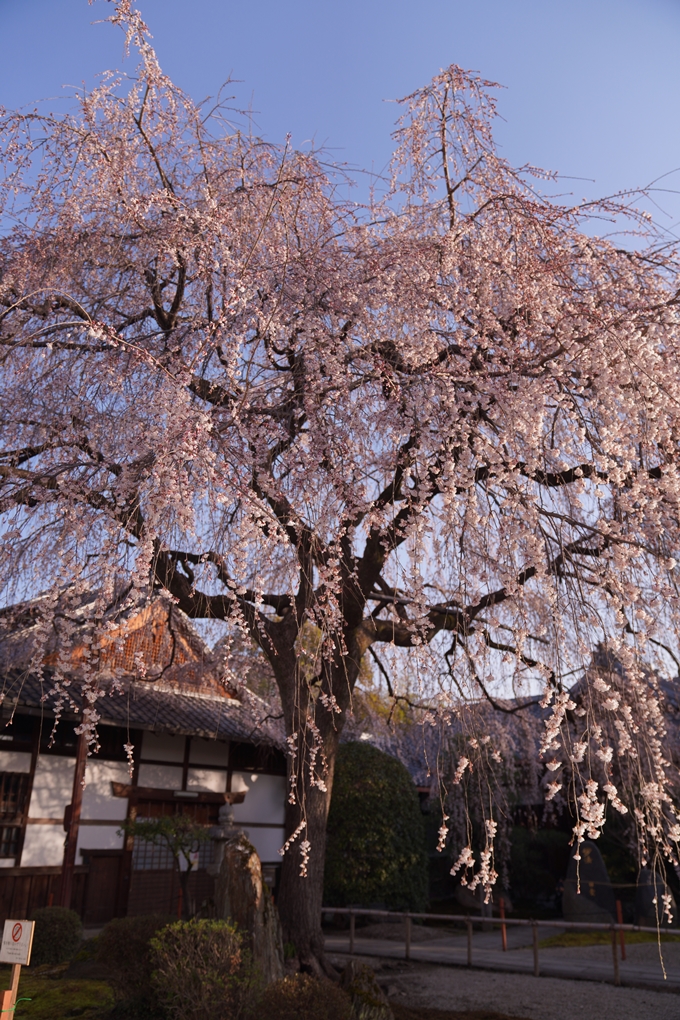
103, 886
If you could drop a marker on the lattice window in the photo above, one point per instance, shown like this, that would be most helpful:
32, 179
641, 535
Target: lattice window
151, 857
206, 854
157, 857
9, 840
13, 790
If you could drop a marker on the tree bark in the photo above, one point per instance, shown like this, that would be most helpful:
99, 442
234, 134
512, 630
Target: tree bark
301, 897
310, 784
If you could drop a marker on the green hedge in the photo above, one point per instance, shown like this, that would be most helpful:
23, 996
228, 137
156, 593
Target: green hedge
375, 851
124, 949
57, 936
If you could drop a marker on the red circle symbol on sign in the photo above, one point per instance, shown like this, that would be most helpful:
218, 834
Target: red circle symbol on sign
16, 932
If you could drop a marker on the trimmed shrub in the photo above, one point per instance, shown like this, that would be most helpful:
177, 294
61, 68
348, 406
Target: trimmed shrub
302, 997
375, 849
369, 1002
124, 949
202, 972
57, 937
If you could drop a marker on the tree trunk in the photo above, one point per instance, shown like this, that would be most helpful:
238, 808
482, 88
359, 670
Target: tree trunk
187, 905
314, 737
301, 897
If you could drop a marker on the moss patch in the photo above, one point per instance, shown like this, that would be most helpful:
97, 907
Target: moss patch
600, 938
54, 997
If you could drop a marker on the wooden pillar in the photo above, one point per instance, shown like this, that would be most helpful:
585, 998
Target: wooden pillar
125, 877
615, 958
185, 764
72, 824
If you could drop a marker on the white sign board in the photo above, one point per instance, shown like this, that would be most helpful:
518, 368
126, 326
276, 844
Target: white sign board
17, 939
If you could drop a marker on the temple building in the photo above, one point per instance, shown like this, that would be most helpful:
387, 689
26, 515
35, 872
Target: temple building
174, 738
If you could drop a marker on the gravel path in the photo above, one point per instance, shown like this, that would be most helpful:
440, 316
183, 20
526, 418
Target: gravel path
533, 998
518, 995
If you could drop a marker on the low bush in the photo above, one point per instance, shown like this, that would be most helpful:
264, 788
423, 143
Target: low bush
368, 999
57, 936
302, 997
124, 949
202, 971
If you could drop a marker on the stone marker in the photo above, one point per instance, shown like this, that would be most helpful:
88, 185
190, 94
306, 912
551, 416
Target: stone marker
241, 895
652, 886
595, 904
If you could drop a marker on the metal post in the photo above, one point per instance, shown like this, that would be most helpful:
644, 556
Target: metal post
469, 941
615, 955
622, 934
534, 932
351, 934
504, 929
407, 948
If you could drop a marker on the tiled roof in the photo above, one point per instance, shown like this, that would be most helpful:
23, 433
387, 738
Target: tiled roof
152, 667
159, 707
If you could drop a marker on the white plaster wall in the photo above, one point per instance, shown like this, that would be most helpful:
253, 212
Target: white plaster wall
52, 787
98, 800
163, 777
15, 761
97, 837
162, 747
208, 752
211, 780
268, 842
43, 846
265, 798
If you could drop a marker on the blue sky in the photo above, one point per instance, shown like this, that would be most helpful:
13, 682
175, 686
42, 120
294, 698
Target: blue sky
592, 87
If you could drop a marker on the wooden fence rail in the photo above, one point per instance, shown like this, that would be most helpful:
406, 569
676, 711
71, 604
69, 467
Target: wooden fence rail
469, 921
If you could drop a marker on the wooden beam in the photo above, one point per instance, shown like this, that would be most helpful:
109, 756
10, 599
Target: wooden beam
137, 793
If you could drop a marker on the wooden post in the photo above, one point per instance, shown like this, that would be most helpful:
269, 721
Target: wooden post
14, 987
622, 934
534, 933
72, 824
407, 947
469, 941
504, 927
615, 955
15, 948
9, 998
351, 934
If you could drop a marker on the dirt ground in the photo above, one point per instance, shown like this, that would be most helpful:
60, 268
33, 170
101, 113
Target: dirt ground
460, 994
